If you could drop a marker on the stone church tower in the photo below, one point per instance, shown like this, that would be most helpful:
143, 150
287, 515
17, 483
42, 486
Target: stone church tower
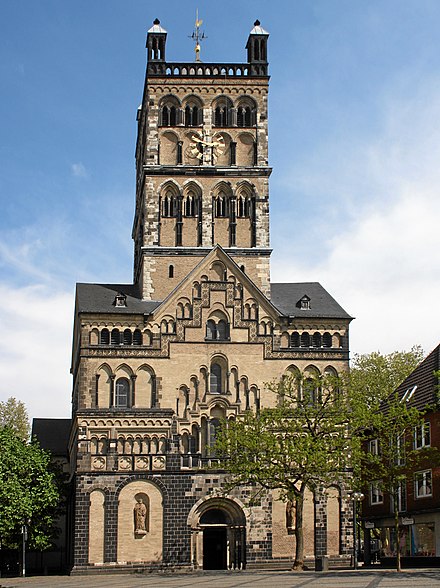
158, 363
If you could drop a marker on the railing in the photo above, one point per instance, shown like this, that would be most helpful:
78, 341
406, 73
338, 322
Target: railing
216, 70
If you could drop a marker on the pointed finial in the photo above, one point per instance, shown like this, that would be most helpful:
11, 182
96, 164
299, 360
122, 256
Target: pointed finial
197, 36
156, 21
257, 23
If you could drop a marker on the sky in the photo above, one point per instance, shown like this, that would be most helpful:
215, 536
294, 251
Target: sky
354, 132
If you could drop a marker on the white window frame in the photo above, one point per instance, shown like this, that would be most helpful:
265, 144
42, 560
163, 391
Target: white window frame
425, 435
375, 490
426, 477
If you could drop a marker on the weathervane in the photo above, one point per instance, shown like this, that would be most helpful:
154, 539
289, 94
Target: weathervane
197, 36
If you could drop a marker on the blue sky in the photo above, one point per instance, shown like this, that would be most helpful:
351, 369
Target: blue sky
354, 142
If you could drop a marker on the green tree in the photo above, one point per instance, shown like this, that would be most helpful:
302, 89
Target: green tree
373, 376
303, 443
13, 414
28, 490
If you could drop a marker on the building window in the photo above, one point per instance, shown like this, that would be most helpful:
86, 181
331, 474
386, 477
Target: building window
408, 394
122, 391
422, 436
169, 205
317, 340
128, 337
137, 337
104, 337
423, 484
373, 446
215, 379
169, 115
217, 331
376, 494
327, 340
221, 205
294, 339
116, 337
305, 340
171, 271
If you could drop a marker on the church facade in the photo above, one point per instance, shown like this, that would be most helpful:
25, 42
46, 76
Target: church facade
158, 364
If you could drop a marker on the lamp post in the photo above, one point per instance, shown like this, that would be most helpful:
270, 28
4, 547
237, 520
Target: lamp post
24, 533
356, 498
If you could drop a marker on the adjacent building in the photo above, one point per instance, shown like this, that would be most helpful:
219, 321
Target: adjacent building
419, 495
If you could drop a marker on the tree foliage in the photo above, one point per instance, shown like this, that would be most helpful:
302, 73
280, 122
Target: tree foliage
28, 490
13, 414
374, 376
301, 444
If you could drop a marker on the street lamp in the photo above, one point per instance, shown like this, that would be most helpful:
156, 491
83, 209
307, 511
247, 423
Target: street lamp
24, 533
356, 498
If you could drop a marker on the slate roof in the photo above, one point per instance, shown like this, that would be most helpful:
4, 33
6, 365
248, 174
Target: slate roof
286, 298
423, 377
100, 298
52, 434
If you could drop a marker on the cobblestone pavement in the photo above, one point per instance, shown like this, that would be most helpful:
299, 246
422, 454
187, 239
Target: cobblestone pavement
339, 579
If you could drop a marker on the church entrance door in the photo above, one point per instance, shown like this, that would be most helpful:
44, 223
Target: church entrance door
215, 548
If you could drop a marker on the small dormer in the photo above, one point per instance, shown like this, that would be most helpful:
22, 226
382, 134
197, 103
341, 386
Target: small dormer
304, 303
257, 50
120, 300
156, 40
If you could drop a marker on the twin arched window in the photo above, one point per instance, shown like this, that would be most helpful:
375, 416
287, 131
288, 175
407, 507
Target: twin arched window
217, 331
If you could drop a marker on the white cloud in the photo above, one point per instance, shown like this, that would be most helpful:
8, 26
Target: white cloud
79, 170
35, 348
383, 265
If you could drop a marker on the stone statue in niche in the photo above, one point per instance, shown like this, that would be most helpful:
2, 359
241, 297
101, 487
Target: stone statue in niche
290, 514
140, 517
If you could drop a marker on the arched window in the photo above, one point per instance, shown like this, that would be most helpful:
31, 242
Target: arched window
317, 340
223, 113
104, 337
327, 340
192, 116
128, 337
169, 204
294, 339
222, 330
137, 337
217, 331
122, 391
215, 379
190, 204
214, 426
171, 271
169, 112
243, 206
305, 340
116, 337
221, 205
210, 330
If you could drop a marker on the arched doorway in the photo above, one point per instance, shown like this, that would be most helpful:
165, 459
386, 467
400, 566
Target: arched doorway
219, 535
215, 539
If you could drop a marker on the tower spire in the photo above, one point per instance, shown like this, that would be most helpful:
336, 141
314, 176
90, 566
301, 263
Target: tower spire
198, 36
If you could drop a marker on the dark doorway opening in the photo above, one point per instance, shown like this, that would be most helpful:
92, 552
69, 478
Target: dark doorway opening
214, 548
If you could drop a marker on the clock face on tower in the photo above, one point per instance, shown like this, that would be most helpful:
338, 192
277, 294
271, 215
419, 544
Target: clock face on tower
212, 147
